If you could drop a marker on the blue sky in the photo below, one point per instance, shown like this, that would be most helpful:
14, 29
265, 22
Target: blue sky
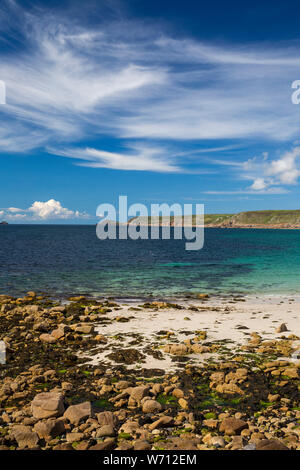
170, 101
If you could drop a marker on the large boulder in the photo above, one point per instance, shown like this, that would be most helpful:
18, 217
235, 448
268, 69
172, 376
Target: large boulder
105, 431
138, 393
42, 326
229, 389
142, 445
151, 406
291, 372
233, 426
46, 338
176, 349
270, 444
107, 418
108, 444
281, 328
84, 328
24, 436
47, 405
130, 427
78, 413
50, 428
163, 422
58, 333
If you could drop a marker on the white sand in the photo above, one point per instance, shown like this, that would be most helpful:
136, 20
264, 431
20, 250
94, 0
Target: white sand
258, 314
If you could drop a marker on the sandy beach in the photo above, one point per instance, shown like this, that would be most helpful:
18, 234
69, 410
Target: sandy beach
223, 320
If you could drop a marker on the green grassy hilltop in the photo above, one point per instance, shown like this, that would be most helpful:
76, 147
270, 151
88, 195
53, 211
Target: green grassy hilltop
271, 217
266, 218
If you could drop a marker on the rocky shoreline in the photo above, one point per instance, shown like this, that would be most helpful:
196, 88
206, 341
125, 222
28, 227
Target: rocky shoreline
92, 375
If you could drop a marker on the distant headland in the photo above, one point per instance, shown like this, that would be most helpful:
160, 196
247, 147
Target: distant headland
277, 219
3, 223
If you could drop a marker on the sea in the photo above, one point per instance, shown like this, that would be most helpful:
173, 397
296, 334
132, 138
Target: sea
64, 260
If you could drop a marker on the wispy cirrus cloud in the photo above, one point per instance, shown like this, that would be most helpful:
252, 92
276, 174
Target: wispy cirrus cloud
70, 82
139, 158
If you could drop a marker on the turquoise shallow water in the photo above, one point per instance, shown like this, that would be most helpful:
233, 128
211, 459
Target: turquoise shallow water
61, 260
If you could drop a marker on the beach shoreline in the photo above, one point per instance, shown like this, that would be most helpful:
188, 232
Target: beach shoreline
206, 374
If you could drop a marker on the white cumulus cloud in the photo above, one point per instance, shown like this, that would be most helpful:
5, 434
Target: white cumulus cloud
284, 170
39, 210
51, 209
259, 184
268, 175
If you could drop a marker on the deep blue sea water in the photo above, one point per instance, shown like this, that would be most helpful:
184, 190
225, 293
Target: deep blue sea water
65, 259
